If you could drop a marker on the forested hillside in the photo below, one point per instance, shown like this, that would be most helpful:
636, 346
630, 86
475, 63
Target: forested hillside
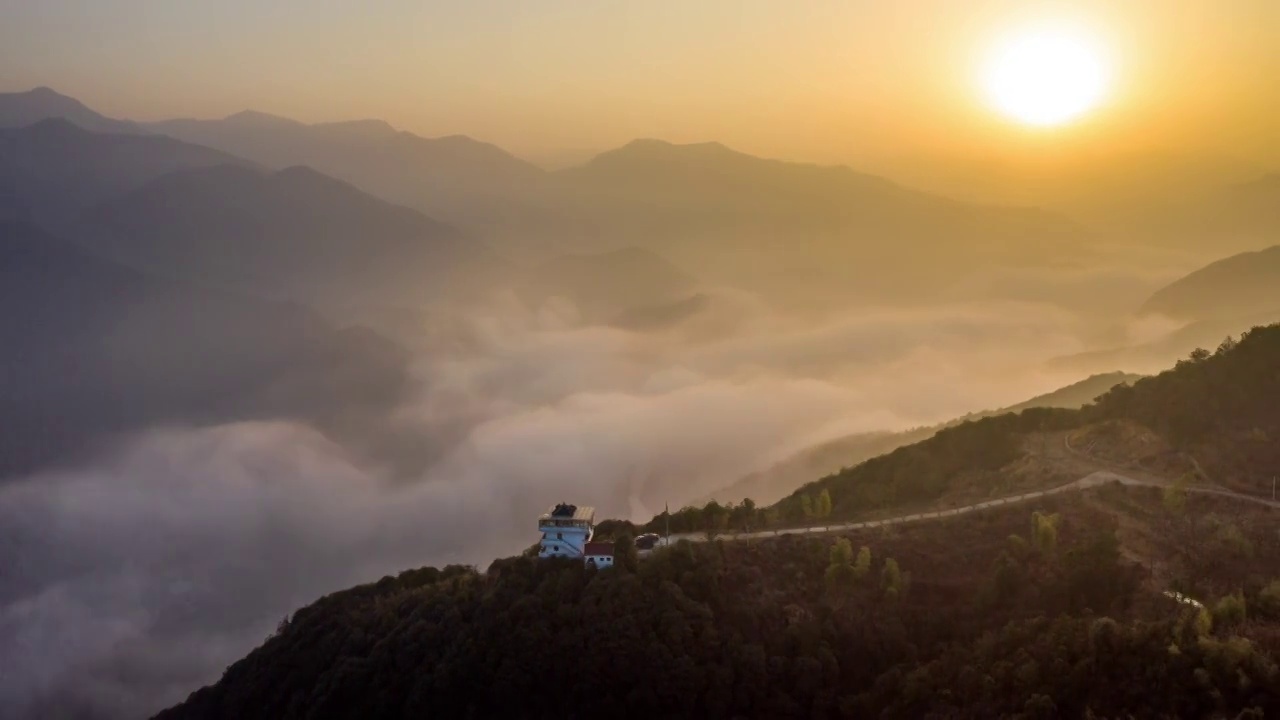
768, 486
1007, 614
1063, 607
1214, 416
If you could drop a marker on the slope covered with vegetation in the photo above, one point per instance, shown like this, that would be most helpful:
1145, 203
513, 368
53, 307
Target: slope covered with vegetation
981, 616
769, 486
1214, 417
1063, 608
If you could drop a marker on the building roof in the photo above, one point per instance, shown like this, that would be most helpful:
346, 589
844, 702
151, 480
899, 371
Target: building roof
564, 511
598, 548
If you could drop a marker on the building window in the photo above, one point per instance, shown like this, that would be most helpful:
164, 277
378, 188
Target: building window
559, 536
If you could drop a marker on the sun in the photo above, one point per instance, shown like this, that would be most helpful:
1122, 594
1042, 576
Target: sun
1046, 75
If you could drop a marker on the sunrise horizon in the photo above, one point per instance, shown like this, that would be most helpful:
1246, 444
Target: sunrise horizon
720, 359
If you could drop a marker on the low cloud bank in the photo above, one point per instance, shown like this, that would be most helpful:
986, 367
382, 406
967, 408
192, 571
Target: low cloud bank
131, 581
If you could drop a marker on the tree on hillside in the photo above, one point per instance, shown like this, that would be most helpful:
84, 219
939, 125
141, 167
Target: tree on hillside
840, 575
624, 552
806, 506
715, 518
1044, 532
891, 578
1175, 496
1268, 602
743, 515
1229, 611
862, 566
822, 507
772, 516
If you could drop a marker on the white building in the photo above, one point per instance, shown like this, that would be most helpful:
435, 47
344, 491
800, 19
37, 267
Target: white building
598, 554
566, 530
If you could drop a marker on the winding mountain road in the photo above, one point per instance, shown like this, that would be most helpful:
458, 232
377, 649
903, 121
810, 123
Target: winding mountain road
1093, 479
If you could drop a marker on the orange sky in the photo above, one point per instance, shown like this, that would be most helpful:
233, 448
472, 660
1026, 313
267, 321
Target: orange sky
864, 81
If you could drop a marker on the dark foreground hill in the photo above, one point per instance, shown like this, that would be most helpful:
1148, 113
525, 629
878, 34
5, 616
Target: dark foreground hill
1214, 415
1212, 419
1064, 606
974, 617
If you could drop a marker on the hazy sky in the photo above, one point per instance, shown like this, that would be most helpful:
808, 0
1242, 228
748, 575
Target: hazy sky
820, 79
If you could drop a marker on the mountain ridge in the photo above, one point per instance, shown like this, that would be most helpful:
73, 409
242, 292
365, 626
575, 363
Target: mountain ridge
1240, 284
20, 109
295, 231
100, 349
57, 169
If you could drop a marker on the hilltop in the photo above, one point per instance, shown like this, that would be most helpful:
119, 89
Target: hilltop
1239, 285
1212, 416
769, 485
1063, 606
977, 617
20, 109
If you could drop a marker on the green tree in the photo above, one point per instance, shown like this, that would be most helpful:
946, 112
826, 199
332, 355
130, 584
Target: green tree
1175, 496
1229, 611
715, 518
1044, 532
862, 566
743, 516
772, 516
842, 552
840, 575
1268, 603
891, 578
624, 552
822, 507
806, 506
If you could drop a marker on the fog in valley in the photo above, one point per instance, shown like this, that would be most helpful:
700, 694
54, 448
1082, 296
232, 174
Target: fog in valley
145, 568
247, 360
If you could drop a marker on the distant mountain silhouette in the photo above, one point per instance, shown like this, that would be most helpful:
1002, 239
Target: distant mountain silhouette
55, 169
1226, 217
1241, 284
1168, 348
455, 178
295, 233
800, 233
769, 222
647, 318
27, 108
708, 183
602, 285
92, 349
656, 195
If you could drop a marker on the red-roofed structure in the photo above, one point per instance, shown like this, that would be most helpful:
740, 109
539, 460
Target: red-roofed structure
598, 554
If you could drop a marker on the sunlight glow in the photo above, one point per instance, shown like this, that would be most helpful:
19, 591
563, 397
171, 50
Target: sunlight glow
1046, 75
